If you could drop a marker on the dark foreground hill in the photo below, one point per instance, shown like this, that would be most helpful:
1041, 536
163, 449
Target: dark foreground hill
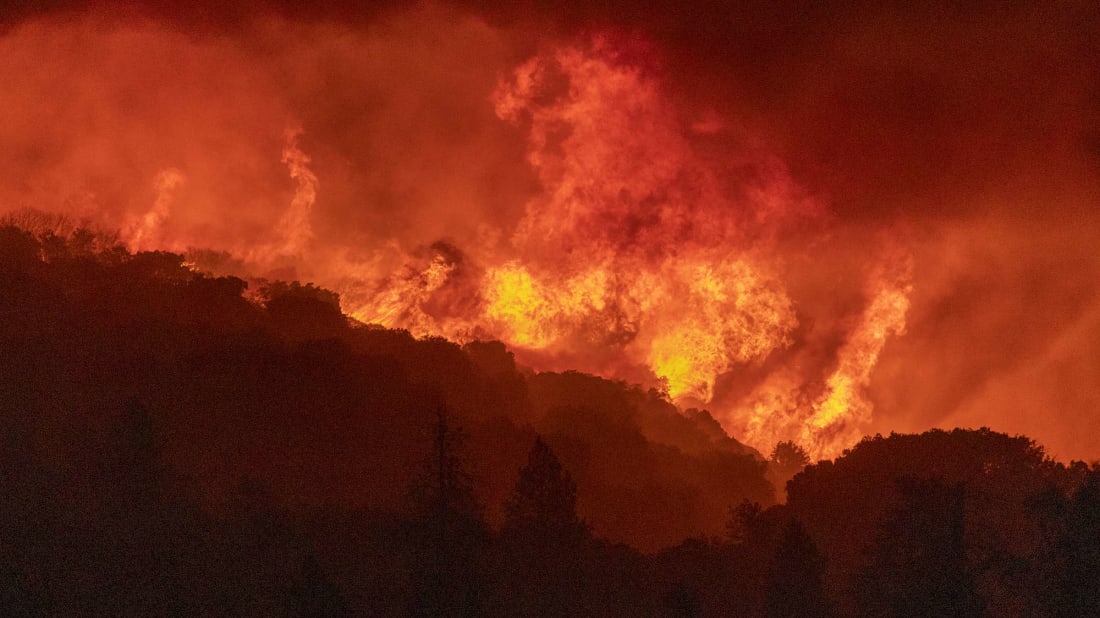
180, 444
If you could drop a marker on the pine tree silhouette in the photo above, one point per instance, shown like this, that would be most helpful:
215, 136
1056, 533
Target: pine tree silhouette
543, 539
449, 535
543, 505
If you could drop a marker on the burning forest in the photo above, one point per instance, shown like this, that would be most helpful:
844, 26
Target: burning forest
448, 308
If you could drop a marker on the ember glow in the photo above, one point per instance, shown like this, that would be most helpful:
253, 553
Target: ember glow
583, 202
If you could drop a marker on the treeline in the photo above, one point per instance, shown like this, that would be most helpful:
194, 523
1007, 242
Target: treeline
182, 444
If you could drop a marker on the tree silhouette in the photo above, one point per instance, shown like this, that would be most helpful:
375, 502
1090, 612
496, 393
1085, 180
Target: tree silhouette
542, 539
543, 505
745, 522
303, 312
919, 563
1070, 556
794, 586
844, 503
449, 536
445, 490
789, 456
787, 459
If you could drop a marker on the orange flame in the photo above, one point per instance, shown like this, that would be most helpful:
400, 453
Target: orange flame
635, 247
840, 414
294, 226
639, 257
146, 233
635, 219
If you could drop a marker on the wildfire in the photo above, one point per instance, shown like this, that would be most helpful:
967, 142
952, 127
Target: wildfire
842, 411
634, 246
146, 234
636, 256
712, 217
294, 227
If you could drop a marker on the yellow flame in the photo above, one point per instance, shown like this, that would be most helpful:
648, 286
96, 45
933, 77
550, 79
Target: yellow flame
843, 411
517, 301
784, 406
727, 312
687, 358
398, 302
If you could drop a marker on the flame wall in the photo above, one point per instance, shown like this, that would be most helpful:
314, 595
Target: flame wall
815, 226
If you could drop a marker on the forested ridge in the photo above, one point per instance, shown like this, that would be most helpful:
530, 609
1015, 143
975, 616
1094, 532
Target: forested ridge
177, 443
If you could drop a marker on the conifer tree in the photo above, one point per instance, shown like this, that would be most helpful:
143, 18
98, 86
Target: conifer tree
543, 504
542, 549
449, 535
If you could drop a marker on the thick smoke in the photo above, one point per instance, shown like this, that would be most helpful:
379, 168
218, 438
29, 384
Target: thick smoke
899, 202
